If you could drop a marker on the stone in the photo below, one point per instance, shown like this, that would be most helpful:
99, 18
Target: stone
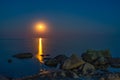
59, 74
3, 78
23, 55
51, 63
9, 60
102, 78
114, 62
73, 62
88, 69
113, 77
99, 58
60, 58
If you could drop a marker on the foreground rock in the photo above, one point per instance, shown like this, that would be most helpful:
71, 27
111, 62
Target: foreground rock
3, 78
111, 76
114, 62
23, 55
87, 69
73, 62
53, 62
98, 58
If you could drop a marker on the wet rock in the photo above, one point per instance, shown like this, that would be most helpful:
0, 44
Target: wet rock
114, 62
73, 62
88, 69
97, 58
59, 74
61, 58
102, 78
23, 55
9, 60
3, 78
51, 63
113, 77
71, 74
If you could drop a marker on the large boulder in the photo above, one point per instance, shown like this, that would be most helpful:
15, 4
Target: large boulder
99, 58
73, 62
87, 69
61, 58
53, 62
23, 55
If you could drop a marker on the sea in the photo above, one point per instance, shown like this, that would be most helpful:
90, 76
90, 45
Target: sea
20, 68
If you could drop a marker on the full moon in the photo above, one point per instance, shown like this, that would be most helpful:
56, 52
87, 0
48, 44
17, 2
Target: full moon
40, 27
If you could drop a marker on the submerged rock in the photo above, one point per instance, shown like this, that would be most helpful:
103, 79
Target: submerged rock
73, 62
23, 55
9, 60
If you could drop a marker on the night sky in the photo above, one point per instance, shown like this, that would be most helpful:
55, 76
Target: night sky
65, 17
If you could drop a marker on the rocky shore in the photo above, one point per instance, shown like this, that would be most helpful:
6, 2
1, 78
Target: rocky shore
91, 65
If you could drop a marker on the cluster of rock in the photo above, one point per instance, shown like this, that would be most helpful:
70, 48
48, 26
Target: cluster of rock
92, 65
87, 65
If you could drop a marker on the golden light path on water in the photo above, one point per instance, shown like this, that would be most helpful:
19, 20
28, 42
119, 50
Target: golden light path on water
40, 51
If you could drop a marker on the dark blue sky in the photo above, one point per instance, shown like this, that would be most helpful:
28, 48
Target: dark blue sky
65, 17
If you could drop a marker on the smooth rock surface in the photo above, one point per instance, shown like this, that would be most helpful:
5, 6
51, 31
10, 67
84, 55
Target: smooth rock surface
88, 69
73, 62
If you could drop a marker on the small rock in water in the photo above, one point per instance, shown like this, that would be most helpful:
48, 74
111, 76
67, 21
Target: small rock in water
9, 60
23, 55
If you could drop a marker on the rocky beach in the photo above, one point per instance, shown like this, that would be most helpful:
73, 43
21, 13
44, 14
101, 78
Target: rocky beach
91, 65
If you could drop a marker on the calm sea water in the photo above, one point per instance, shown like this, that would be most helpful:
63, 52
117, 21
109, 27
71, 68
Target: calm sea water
20, 68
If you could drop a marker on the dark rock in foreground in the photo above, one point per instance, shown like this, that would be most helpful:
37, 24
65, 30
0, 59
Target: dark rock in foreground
3, 78
53, 62
114, 62
23, 55
73, 62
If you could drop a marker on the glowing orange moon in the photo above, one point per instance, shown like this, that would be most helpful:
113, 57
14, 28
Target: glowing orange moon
40, 27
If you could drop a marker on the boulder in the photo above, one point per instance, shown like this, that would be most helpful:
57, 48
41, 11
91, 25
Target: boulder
73, 62
3, 78
23, 55
97, 58
51, 63
61, 58
87, 69
114, 62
